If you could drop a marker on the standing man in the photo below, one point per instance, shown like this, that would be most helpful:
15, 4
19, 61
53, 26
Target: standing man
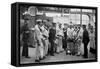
45, 35
25, 38
52, 33
70, 45
85, 41
39, 48
65, 39
80, 36
60, 35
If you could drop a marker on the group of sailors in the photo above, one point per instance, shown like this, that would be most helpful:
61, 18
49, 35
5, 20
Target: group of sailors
48, 39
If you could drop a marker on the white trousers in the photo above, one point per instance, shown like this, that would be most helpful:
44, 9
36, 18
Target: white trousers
59, 47
46, 46
41, 48
39, 51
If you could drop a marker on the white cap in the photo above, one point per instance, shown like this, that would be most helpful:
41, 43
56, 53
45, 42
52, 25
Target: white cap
38, 20
25, 13
32, 28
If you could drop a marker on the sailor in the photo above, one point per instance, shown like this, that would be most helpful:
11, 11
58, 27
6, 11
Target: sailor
45, 35
60, 35
52, 35
85, 41
25, 39
39, 48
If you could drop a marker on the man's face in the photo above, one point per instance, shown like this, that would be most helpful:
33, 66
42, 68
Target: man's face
70, 26
59, 25
65, 26
27, 21
40, 23
83, 28
45, 23
53, 25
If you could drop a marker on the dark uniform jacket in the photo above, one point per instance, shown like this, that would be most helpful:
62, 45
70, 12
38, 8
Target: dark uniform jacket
85, 37
52, 34
25, 33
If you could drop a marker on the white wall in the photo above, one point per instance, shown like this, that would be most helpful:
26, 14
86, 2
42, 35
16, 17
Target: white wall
5, 36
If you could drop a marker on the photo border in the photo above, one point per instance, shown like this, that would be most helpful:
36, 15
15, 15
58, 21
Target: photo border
18, 4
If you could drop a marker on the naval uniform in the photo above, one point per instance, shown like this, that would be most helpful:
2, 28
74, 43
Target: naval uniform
25, 40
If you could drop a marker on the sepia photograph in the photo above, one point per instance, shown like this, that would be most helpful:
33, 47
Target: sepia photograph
56, 34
